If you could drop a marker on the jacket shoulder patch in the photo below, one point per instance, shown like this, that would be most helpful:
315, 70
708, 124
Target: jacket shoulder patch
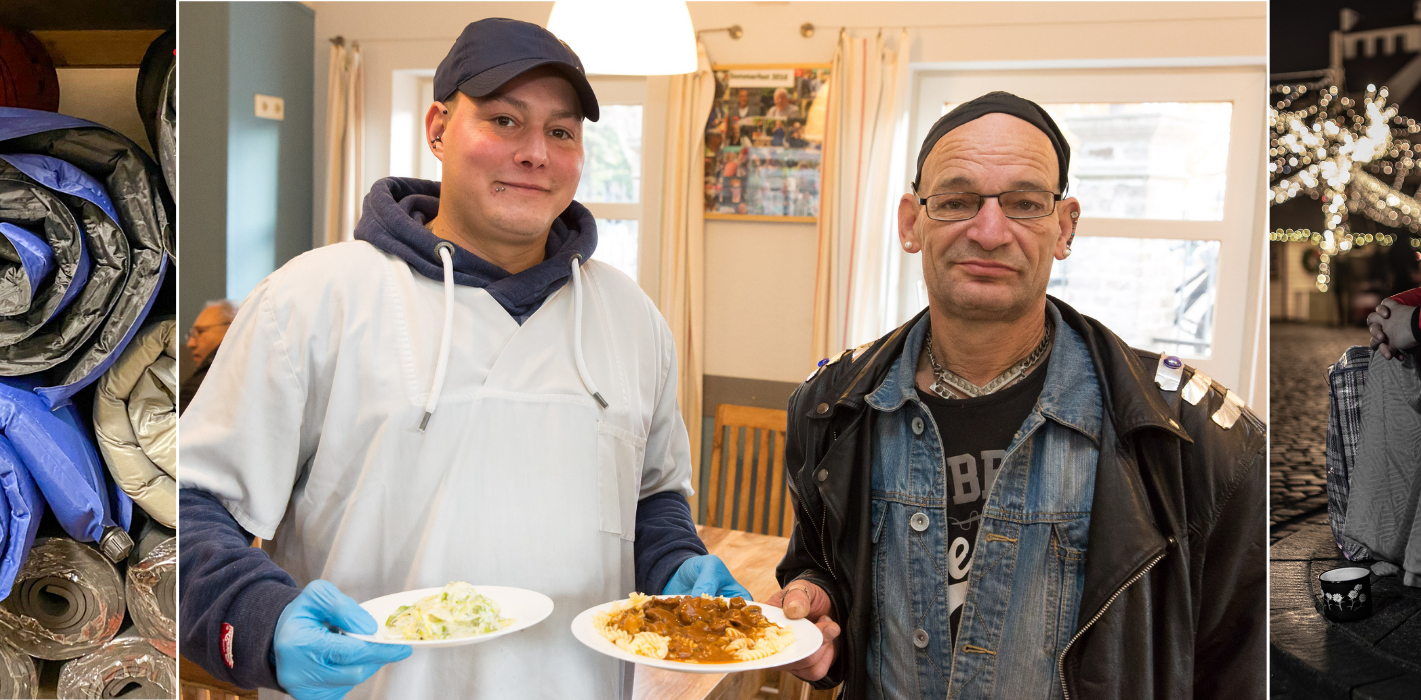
1228, 413
1197, 388
1169, 371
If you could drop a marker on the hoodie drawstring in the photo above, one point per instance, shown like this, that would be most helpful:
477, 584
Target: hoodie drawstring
577, 332
446, 254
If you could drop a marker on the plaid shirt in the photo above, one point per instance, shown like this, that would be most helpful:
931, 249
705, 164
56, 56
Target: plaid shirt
1345, 381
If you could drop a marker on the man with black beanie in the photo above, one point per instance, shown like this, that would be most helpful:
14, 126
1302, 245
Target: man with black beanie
1001, 499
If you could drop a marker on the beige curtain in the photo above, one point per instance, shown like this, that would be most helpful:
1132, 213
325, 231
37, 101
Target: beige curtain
864, 147
681, 297
345, 143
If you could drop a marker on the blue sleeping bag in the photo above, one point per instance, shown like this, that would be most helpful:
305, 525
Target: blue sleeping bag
51, 459
101, 208
21, 508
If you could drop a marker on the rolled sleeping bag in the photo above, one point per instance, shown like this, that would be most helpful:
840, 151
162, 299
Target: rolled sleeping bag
120, 212
21, 508
127, 667
58, 453
67, 602
136, 420
19, 678
151, 594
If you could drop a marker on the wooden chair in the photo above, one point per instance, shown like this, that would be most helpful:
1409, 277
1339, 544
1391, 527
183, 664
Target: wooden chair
753, 496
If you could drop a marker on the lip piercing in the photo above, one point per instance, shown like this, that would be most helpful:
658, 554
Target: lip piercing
498, 189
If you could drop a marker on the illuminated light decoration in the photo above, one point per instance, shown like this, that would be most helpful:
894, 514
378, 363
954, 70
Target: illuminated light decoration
1335, 150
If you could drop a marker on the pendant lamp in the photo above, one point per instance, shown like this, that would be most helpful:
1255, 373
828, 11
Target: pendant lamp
627, 37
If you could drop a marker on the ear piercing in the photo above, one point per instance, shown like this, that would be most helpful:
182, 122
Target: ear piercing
436, 139
1075, 215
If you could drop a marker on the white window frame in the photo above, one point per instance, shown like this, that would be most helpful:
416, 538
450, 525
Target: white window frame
621, 90
1240, 80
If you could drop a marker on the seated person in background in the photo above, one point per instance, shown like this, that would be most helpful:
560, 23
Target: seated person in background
207, 332
1383, 488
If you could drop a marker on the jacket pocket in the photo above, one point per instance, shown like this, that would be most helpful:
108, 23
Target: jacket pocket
1065, 565
620, 454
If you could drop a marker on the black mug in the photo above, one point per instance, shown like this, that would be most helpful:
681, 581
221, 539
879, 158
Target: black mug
1346, 593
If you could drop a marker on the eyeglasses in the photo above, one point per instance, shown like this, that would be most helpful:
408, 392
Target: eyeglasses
1017, 204
196, 331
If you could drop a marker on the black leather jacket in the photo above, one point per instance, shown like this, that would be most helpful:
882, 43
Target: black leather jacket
1174, 604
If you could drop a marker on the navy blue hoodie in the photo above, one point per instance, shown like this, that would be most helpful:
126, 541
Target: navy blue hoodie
231, 595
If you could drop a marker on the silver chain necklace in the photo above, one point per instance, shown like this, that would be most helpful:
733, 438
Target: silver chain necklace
949, 385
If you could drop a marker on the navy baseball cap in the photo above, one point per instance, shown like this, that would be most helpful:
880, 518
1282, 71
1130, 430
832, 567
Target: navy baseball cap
494, 51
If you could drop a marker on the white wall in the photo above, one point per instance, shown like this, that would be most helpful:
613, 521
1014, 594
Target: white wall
760, 276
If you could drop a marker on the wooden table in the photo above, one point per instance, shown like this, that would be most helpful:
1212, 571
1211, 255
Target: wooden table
751, 558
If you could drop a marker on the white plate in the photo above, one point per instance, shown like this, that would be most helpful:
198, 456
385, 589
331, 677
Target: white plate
526, 608
807, 640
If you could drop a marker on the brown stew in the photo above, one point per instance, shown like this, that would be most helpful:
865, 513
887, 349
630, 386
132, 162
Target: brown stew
696, 626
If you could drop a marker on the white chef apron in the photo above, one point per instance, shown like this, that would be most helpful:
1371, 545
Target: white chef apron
525, 482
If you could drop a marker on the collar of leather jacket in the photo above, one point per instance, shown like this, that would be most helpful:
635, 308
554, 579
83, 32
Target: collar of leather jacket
1127, 386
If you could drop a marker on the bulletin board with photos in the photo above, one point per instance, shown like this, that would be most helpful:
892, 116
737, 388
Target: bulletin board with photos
765, 142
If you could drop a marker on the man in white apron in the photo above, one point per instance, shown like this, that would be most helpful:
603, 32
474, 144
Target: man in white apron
457, 395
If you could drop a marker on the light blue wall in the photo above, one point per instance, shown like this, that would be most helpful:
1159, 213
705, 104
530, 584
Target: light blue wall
202, 160
269, 163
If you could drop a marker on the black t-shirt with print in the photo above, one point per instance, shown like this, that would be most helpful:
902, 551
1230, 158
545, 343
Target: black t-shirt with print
975, 436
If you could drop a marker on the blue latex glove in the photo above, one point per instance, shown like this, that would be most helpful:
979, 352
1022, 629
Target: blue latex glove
705, 574
315, 663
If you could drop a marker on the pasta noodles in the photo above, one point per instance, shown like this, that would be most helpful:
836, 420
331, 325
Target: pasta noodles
702, 630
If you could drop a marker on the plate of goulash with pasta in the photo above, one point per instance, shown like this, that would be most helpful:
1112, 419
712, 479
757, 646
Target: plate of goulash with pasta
696, 634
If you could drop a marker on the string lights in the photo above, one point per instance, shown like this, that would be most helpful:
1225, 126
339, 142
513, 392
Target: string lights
1341, 152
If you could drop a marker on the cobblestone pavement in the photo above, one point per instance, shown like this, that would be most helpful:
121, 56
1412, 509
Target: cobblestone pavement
1297, 459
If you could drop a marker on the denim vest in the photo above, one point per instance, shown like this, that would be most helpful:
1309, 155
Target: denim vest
1028, 565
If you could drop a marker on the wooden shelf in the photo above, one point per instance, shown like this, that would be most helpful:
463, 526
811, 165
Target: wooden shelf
97, 48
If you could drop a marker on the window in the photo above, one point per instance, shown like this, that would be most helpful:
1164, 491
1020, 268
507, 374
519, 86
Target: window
611, 177
1163, 161
1157, 160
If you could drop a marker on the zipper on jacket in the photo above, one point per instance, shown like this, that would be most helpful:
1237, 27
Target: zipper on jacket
807, 518
1061, 665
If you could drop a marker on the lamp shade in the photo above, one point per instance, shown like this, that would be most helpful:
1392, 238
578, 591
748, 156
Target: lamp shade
627, 37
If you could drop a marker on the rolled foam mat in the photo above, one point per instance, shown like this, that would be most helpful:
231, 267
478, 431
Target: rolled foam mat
67, 601
108, 207
152, 596
18, 676
136, 420
127, 667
